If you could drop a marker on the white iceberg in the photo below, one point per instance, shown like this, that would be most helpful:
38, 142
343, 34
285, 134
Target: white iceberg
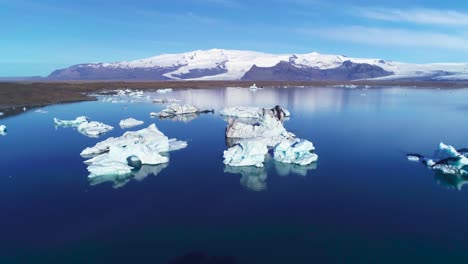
176, 109
163, 91
73, 123
1, 113
119, 156
130, 122
246, 153
297, 152
3, 130
41, 111
248, 112
260, 130
93, 128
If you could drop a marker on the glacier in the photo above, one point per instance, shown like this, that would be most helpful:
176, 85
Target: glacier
130, 122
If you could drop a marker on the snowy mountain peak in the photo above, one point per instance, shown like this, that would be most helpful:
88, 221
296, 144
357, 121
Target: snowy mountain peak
222, 64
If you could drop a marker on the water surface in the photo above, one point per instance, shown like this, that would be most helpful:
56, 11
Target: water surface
363, 202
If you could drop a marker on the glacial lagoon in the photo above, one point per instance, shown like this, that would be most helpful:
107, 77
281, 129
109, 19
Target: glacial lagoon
362, 202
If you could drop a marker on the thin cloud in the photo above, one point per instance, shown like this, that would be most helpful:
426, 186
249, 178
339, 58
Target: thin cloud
390, 37
415, 15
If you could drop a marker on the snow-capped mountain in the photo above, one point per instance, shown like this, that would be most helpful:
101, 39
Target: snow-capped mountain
219, 64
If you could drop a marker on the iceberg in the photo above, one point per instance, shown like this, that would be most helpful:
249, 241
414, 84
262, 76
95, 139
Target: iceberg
297, 152
1, 113
130, 122
176, 109
446, 160
246, 153
132, 150
93, 128
41, 111
71, 123
163, 91
249, 112
3, 130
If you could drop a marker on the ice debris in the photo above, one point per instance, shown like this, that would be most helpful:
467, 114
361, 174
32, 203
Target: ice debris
41, 111
121, 155
130, 122
176, 109
258, 129
1, 113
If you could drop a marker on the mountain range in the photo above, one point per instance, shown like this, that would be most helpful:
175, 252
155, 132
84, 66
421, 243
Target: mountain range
220, 64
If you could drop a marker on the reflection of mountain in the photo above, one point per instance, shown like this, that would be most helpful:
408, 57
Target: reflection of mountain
455, 181
120, 180
253, 178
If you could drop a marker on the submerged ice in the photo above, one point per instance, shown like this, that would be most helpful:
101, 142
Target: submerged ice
118, 156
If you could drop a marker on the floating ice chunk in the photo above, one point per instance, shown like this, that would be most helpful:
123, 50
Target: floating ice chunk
3, 130
163, 91
414, 157
41, 111
74, 123
248, 112
246, 153
130, 122
445, 151
24, 109
150, 136
298, 152
93, 128
1, 113
165, 101
130, 151
174, 110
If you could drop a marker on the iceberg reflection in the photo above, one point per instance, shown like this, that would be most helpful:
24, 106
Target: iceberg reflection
253, 178
122, 179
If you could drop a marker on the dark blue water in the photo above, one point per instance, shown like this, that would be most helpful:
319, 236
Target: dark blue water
363, 203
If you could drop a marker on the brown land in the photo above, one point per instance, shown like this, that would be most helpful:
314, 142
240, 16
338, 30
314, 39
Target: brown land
16, 95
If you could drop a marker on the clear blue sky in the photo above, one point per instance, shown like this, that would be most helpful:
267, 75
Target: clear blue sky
38, 36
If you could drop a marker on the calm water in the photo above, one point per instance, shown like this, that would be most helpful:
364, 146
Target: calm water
363, 203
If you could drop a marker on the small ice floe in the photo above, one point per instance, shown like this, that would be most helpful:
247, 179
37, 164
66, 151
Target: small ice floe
122, 155
3, 130
128, 92
249, 112
176, 109
41, 111
246, 153
130, 122
24, 109
165, 100
1, 113
298, 152
446, 160
163, 91
93, 128
252, 138
84, 126
71, 123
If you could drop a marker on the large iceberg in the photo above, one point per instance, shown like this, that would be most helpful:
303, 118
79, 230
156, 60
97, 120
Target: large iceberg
256, 128
176, 109
93, 128
130, 122
246, 153
119, 156
71, 123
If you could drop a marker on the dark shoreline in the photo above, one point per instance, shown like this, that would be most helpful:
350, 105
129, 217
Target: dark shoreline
16, 95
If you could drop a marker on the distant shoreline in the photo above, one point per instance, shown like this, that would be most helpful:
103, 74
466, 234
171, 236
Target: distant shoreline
16, 95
